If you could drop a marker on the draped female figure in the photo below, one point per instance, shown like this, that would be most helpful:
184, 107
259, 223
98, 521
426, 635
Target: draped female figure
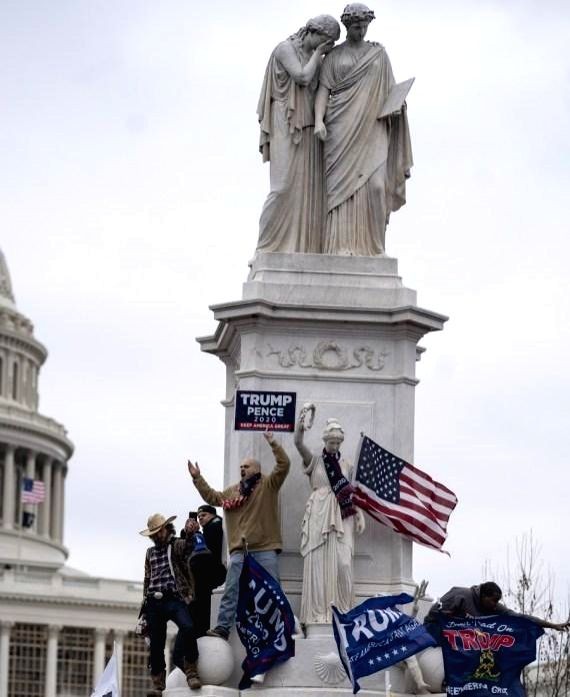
367, 157
292, 219
329, 523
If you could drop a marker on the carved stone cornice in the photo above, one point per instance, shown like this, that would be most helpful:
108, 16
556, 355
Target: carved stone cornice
245, 315
29, 429
70, 601
339, 377
18, 337
33, 536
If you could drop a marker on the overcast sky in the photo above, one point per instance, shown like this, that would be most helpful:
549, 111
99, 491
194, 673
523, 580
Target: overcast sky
130, 192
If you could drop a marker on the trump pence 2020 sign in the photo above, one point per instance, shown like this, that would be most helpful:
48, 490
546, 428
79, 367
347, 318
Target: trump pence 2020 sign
257, 411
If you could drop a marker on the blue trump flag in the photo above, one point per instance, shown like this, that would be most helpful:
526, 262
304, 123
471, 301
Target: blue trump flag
376, 634
484, 656
264, 620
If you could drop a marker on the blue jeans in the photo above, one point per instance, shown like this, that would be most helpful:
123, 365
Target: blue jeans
229, 601
158, 612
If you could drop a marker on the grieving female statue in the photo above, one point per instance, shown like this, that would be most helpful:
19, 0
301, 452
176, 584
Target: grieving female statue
292, 219
367, 157
327, 536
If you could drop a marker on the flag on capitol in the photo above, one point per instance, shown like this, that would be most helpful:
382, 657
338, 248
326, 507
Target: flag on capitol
33, 490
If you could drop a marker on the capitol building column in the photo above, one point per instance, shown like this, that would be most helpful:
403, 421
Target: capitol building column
45, 512
120, 635
64, 470
55, 524
51, 661
5, 629
9, 488
99, 654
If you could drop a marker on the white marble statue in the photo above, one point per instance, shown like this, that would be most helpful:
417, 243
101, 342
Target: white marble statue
412, 664
329, 523
367, 157
292, 219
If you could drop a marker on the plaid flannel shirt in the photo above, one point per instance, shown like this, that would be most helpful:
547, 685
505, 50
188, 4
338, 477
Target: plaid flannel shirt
161, 578
183, 577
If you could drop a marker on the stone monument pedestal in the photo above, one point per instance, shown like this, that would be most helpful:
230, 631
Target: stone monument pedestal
343, 333
314, 670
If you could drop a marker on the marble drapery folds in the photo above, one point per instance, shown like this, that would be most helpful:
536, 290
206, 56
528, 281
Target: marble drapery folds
292, 218
367, 159
327, 542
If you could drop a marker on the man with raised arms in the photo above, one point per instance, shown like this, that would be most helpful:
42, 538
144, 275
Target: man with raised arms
251, 514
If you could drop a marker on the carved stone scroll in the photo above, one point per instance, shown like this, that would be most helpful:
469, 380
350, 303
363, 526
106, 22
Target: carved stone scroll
329, 355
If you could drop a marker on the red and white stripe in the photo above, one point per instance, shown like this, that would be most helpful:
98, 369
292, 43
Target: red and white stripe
422, 513
36, 494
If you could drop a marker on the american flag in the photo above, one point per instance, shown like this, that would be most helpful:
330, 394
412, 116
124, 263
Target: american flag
401, 496
33, 490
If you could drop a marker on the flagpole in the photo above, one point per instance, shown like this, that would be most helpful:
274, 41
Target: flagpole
357, 457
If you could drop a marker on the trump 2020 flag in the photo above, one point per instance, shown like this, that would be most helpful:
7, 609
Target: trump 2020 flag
376, 634
264, 621
484, 656
108, 683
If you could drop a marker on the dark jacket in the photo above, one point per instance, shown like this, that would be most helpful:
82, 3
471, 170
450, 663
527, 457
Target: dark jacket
460, 601
213, 533
181, 553
211, 573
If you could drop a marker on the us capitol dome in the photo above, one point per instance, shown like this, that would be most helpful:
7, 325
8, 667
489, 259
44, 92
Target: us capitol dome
57, 624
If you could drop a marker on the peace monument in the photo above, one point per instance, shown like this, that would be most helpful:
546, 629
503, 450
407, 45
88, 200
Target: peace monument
324, 314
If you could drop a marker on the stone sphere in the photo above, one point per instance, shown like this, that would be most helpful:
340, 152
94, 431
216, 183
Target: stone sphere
215, 664
431, 663
175, 680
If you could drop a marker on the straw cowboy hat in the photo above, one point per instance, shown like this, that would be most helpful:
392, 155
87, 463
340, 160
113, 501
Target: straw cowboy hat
155, 523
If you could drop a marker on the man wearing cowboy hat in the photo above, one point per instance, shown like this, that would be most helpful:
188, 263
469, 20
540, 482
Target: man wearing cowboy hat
251, 513
168, 589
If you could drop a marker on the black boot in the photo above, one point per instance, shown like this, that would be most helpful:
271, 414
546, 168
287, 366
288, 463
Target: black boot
158, 684
192, 677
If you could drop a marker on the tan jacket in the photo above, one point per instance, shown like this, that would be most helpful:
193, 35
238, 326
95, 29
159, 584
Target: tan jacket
258, 519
